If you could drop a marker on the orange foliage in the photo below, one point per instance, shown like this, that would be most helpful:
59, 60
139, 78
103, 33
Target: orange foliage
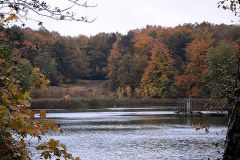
196, 70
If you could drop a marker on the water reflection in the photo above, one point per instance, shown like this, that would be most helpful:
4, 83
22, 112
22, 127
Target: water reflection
138, 133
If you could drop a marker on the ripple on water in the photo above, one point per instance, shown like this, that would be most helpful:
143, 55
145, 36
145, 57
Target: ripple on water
150, 136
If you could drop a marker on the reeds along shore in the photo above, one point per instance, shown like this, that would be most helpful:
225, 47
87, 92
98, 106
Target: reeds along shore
82, 97
98, 103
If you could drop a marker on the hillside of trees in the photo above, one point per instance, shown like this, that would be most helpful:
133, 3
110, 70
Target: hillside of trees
191, 60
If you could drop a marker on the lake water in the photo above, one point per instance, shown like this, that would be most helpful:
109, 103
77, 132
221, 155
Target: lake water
138, 134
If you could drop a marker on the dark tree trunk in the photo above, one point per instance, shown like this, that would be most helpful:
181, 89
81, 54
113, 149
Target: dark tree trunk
232, 144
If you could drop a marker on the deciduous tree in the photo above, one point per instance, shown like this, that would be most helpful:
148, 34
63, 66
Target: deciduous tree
158, 75
17, 121
222, 66
192, 81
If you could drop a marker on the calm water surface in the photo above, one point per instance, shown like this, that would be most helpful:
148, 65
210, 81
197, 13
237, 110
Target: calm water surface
138, 134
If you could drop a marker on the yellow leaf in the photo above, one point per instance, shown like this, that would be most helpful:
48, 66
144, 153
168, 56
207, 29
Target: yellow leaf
41, 147
67, 156
64, 147
25, 151
31, 114
9, 69
6, 98
12, 17
15, 91
48, 124
44, 131
53, 143
46, 155
35, 69
3, 110
55, 127
43, 113
26, 95
47, 81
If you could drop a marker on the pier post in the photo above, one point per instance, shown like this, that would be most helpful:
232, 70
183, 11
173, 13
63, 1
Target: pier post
189, 106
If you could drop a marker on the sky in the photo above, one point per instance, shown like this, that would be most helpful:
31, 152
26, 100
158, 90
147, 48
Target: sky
124, 15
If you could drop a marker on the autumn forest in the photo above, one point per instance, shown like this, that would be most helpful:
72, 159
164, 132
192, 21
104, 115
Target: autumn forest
190, 60
153, 92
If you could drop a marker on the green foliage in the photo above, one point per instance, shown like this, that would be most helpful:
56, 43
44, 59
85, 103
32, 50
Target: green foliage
28, 73
45, 62
4, 51
62, 59
222, 63
98, 50
126, 43
177, 43
15, 34
48, 66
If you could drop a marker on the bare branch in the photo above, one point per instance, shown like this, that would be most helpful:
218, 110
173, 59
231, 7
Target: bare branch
232, 5
22, 8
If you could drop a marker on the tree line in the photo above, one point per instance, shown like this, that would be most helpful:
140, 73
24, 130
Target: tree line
190, 60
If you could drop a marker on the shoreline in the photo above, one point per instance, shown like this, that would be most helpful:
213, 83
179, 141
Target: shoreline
100, 103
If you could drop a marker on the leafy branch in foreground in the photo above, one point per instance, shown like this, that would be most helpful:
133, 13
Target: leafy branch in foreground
17, 121
18, 124
232, 143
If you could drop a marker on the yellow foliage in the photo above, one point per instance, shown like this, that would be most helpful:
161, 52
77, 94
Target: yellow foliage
53, 143
16, 119
43, 113
12, 17
35, 70
66, 98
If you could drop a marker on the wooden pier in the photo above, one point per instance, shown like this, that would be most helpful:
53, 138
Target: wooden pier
184, 108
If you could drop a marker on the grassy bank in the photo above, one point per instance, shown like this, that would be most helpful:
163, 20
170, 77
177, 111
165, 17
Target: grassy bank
96, 103
86, 94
